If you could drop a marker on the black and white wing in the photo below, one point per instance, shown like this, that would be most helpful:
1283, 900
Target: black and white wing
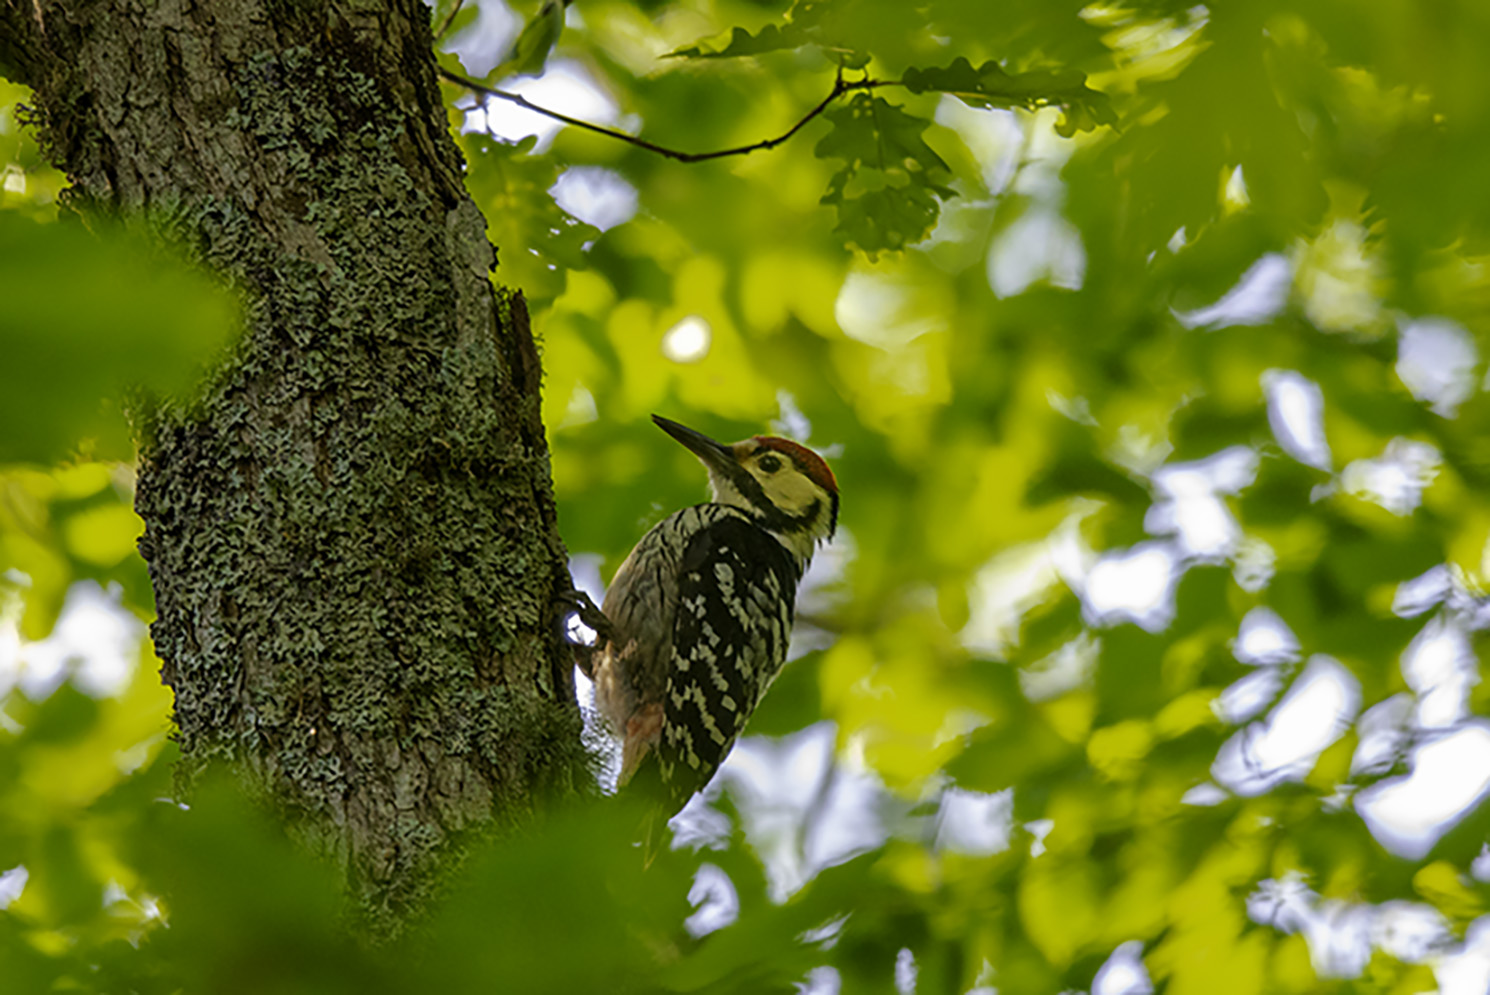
736, 596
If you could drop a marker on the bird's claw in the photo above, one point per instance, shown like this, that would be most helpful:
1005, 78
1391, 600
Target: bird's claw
588, 612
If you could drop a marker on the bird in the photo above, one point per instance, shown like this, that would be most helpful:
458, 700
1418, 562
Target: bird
701, 611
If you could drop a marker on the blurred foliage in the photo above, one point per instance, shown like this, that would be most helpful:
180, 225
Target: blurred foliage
93, 309
1002, 297
90, 324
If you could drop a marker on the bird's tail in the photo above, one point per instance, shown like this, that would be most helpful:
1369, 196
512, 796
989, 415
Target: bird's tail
641, 776
643, 732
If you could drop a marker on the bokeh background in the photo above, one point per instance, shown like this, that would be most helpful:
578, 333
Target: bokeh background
1147, 656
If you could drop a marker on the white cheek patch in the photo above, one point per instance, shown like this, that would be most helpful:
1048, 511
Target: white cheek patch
792, 493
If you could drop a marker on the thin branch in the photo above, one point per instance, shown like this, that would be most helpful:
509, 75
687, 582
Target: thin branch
449, 19
840, 87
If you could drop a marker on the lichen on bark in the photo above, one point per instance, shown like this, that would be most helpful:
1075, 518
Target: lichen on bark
352, 537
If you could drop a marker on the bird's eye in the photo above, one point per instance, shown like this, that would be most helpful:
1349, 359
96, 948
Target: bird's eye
770, 464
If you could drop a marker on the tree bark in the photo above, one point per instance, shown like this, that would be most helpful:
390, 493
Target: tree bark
352, 537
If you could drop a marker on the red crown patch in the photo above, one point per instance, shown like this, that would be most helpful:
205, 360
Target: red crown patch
807, 461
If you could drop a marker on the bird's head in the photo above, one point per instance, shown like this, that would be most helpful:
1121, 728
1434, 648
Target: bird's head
785, 486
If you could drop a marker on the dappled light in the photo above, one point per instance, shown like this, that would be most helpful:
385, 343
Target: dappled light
1148, 345
687, 341
1450, 776
1258, 297
598, 197
566, 86
94, 644
1316, 710
1296, 415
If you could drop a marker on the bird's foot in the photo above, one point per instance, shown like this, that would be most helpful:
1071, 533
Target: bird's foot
588, 612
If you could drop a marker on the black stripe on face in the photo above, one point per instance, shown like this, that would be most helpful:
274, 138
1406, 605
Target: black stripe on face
772, 517
782, 522
750, 488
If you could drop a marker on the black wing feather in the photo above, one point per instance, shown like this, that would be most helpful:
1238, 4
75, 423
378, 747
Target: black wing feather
736, 595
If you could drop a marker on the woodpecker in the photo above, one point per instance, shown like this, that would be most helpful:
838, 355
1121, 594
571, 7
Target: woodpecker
701, 610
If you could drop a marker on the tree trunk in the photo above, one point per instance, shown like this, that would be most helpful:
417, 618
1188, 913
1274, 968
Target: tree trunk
352, 538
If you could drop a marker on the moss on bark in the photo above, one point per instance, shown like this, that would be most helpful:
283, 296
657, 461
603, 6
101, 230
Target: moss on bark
352, 537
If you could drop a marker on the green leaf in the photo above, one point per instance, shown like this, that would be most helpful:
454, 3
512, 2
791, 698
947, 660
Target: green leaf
538, 37
282, 916
103, 536
69, 888
67, 715
101, 314
849, 32
770, 38
990, 86
575, 873
1022, 753
796, 700
463, 18
1074, 472
537, 241
887, 193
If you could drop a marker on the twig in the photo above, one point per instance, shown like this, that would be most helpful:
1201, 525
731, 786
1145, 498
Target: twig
840, 87
449, 19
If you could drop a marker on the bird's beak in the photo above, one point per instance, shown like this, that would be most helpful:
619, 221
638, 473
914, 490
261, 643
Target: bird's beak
717, 457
